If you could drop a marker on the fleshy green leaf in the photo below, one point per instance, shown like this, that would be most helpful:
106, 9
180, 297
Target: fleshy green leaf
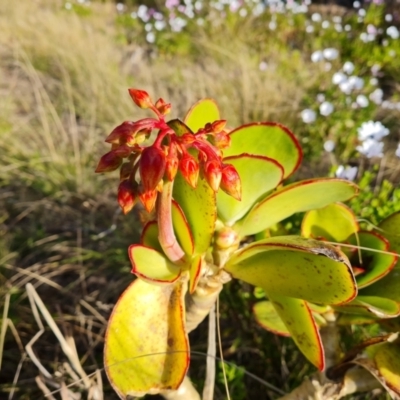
300, 196
300, 323
354, 319
390, 230
258, 176
149, 237
335, 222
267, 139
146, 346
152, 265
195, 270
372, 305
199, 208
376, 265
387, 360
203, 112
182, 230
269, 319
296, 267
179, 127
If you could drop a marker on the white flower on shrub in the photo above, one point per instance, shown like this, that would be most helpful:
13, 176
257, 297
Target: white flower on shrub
317, 56
393, 32
329, 146
316, 17
347, 172
348, 67
330, 54
308, 116
356, 82
362, 101
372, 131
371, 148
338, 78
377, 96
326, 108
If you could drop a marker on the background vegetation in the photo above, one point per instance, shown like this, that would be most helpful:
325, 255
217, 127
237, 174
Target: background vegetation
64, 72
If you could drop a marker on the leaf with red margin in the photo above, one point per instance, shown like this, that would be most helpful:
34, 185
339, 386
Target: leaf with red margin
335, 222
297, 197
151, 265
269, 319
258, 176
182, 229
267, 139
195, 272
149, 236
371, 306
296, 267
146, 346
299, 321
376, 265
203, 112
387, 360
390, 230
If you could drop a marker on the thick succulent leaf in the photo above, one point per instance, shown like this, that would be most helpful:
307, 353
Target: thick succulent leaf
335, 222
258, 176
376, 265
267, 139
372, 305
195, 272
151, 265
388, 287
269, 319
354, 319
146, 346
199, 208
299, 321
203, 112
149, 237
300, 196
182, 230
296, 267
391, 231
179, 127
387, 361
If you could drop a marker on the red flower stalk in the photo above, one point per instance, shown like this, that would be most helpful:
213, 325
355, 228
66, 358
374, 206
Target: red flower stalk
230, 182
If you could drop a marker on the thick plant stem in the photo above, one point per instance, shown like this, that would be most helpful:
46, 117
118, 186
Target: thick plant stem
186, 391
166, 235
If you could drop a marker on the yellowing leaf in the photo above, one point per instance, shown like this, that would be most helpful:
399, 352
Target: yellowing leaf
146, 345
203, 112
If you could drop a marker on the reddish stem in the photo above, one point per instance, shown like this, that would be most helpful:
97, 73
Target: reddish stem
166, 234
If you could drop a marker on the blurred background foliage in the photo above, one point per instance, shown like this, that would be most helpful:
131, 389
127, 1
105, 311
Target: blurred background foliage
64, 72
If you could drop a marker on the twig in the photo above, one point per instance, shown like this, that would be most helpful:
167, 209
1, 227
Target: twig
209, 383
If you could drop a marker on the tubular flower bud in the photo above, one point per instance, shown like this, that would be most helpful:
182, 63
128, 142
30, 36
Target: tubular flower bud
163, 107
213, 174
190, 169
218, 126
109, 162
230, 182
151, 167
148, 199
221, 140
126, 196
141, 98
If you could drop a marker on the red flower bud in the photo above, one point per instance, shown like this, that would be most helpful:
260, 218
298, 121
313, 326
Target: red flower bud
109, 162
187, 138
151, 167
230, 181
163, 107
218, 126
148, 199
190, 169
213, 174
171, 168
123, 151
121, 132
126, 196
141, 98
221, 140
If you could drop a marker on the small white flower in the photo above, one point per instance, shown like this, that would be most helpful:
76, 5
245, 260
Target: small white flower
375, 69
320, 97
362, 101
327, 66
325, 24
326, 108
151, 37
338, 28
357, 4
338, 78
348, 67
329, 146
308, 116
347, 28
398, 151
345, 87
68, 5
272, 25
316, 17
330, 53
356, 82
309, 29
347, 172
337, 19
376, 96
388, 17
372, 131
373, 81
371, 148
362, 12
263, 66
317, 56
393, 32
120, 7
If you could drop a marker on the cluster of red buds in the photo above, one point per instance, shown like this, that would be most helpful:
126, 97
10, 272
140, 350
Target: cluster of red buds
144, 168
